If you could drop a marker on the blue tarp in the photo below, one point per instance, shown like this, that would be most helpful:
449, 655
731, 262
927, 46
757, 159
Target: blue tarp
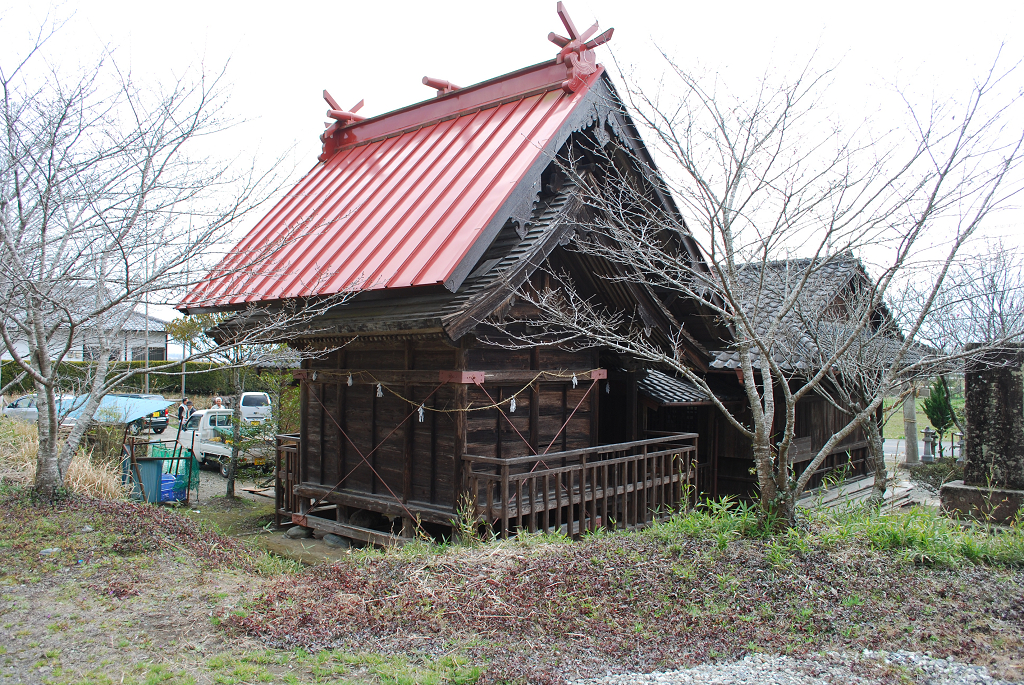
120, 409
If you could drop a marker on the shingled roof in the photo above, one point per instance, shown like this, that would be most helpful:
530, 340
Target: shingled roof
667, 390
817, 316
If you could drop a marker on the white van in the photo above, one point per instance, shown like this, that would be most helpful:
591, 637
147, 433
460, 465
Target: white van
208, 434
256, 407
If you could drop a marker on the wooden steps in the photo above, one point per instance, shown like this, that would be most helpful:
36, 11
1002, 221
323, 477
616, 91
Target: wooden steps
855, 491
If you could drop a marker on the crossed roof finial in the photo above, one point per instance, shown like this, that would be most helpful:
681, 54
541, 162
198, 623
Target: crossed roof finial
577, 49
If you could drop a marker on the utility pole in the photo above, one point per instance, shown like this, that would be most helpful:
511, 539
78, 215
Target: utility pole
147, 344
183, 357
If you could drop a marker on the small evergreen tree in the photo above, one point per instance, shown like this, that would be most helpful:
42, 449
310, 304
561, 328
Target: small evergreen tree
939, 409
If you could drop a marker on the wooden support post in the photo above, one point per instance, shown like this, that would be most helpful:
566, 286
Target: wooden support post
535, 402
461, 394
631, 406
504, 500
373, 442
595, 404
410, 442
303, 426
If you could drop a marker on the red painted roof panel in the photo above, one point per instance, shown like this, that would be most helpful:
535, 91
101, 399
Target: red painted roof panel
403, 200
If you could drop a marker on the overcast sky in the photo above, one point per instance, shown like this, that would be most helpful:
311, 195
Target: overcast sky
282, 55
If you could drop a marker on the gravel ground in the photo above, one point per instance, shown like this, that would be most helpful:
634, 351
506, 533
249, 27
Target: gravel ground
784, 670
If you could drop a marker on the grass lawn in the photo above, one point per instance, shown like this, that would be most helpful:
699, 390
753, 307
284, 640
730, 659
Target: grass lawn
112, 592
893, 428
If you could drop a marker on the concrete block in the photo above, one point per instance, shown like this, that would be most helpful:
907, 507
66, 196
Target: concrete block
991, 505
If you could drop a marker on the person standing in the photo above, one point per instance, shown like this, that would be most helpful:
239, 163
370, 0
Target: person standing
183, 412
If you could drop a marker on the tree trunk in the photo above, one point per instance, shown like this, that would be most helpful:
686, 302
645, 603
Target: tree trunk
876, 452
49, 478
785, 511
49, 475
236, 434
765, 475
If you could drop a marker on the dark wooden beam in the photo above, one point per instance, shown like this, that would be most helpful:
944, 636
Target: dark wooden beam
534, 400
374, 537
478, 310
383, 504
410, 426
424, 377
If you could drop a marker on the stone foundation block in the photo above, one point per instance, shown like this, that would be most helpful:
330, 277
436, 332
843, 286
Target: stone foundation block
992, 505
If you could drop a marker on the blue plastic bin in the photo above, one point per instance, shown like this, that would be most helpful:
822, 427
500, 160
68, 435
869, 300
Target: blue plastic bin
172, 488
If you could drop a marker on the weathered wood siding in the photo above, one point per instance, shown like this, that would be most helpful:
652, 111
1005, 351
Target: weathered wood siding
420, 463
416, 461
541, 410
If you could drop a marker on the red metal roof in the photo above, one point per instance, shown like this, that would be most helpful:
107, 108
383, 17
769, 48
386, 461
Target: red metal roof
400, 199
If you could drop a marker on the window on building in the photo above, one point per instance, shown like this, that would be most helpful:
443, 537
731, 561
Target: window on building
91, 353
156, 354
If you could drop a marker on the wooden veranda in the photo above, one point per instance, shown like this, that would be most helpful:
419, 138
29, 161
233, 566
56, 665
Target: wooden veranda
620, 486
625, 485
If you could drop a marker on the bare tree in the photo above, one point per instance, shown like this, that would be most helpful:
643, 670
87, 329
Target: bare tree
760, 180
981, 301
106, 194
857, 375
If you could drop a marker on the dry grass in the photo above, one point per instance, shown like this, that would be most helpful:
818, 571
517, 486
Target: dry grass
19, 444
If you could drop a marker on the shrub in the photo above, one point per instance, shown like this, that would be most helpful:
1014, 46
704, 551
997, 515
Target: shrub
919, 535
942, 470
924, 536
203, 378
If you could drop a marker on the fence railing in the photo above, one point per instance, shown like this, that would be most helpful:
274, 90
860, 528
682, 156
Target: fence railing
624, 485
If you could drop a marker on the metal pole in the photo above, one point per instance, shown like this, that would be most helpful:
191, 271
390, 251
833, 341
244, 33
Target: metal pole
192, 454
147, 344
183, 370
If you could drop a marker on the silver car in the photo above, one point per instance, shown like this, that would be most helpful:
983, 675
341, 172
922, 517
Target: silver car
24, 408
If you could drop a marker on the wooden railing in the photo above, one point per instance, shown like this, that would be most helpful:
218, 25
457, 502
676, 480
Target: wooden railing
286, 475
625, 485
704, 482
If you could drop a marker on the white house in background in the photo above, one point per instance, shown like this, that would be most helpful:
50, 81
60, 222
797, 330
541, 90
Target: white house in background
128, 345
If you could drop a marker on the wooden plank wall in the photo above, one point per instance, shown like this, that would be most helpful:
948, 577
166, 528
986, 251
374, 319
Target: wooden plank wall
815, 418
430, 476
820, 420
541, 409
421, 462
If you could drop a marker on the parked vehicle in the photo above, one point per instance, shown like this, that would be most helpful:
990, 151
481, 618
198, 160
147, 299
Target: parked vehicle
156, 422
256, 407
134, 411
209, 433
24, 408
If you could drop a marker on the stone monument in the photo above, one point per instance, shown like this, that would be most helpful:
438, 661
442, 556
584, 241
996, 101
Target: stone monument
993, 485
